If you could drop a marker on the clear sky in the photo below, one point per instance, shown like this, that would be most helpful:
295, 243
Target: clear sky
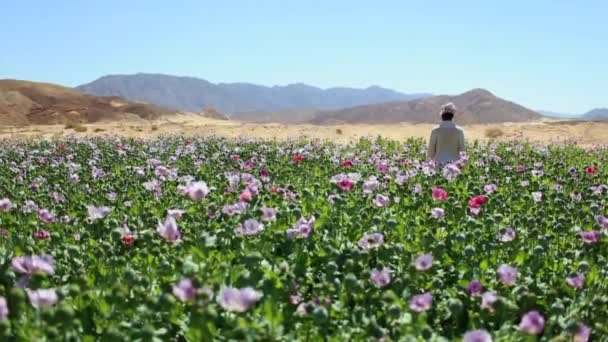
544, 54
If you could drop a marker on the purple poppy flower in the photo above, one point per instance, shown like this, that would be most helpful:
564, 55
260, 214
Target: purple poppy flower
590, 237
474, 211
576, 197
437, 213
380, 278
490, 188
250, 227
238, 300
451, 172
196, 191
417, 189
477, 336
268, 214
45, 216
488, 299
421, 302
97, 213
184, 290
424, 262
532, 323
507, 235
29, 207
583, 333
6, 205
169, 231
381, 201
301, 229
175, 213
33, 264
74, 178
576, 281
602, 221
111, 196
58, 197
537, 196
3, 309
371, 241
42, 297
475, 288
371, 185
507, 274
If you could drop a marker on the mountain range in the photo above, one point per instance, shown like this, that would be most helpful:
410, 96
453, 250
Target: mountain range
195, 94
477, 106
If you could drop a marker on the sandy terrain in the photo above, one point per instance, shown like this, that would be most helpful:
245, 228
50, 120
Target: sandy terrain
586, 133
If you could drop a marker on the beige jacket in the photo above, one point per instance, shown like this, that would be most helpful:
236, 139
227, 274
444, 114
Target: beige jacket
446, 143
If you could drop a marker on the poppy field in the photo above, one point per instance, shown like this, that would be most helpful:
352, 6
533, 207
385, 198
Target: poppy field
201, 239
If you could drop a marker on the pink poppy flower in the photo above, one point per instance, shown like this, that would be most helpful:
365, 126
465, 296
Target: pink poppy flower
477, 201
477, 336
196, 191
42, 297
582, 334
439, 194
590, 237
371, 241
238, 300
488, 299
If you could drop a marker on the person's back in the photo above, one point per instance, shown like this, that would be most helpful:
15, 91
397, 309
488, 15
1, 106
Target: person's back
447, 139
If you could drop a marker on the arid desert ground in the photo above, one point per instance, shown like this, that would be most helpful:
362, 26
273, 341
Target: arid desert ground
547, 131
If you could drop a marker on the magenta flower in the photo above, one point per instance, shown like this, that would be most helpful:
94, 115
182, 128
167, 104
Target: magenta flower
437, 213
583, 333
507, 274
169, 231
269, 214
590, 237
424, 262
42, 297
184, 290
371, 241
6, 205
45, 216
488, 299
477, 336
506, 235
439, 194
532, 323
33, 264
3, 309
42, 234
421, 302
475, 288
380, 278
97, 213
250, 227
196, 191
381, 201
576, 281
238, 300
301, 229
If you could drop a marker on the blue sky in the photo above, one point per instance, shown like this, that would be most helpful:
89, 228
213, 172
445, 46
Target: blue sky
543, 54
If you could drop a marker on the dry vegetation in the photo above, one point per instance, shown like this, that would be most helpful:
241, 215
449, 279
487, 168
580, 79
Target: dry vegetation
494, 132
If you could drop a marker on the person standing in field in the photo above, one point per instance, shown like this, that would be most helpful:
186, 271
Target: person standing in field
447, 139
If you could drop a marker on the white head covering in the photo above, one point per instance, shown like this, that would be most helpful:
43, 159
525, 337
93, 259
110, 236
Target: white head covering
448, 108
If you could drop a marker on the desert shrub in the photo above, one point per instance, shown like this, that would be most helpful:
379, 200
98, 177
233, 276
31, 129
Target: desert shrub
339, 131
494, 132
154, 128
80, 128
99, 130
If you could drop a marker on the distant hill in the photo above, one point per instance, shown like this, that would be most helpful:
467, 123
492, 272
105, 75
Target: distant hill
24, 102
596, 114
241, 100
556, 115
475, 106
